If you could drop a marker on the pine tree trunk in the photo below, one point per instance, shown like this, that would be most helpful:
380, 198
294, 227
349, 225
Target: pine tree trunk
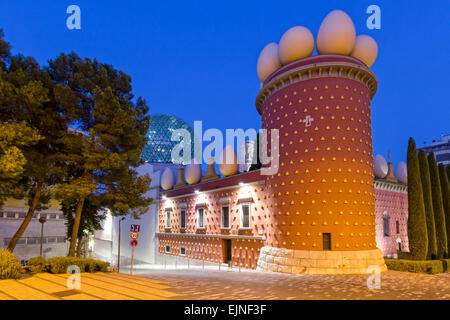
76, 226
79, 246
12, 244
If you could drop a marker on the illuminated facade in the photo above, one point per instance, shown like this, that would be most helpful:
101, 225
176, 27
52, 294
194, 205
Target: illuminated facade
318, 213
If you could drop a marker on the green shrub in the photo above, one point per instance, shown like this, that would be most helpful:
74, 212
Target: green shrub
36, 264
9, 265
60, 264
101, 266
417, 266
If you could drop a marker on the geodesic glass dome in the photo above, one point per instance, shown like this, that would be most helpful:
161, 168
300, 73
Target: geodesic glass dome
159, 145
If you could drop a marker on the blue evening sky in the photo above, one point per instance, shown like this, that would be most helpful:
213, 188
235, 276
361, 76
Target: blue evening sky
197, 59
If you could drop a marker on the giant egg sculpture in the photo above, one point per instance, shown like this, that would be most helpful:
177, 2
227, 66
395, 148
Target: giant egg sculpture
296, 43
401, 172
228, 164
167, 179
380, 167
336, 34
268, 61
365, 49
192, 173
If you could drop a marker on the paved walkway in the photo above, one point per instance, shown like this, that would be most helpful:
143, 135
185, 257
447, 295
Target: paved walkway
202, 284
94, 286
210, 283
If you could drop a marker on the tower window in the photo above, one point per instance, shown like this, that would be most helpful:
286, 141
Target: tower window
327, 241
397, 226
182, 251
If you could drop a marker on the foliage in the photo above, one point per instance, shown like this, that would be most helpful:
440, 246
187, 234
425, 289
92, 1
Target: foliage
438, 208
417, 228
425, 266
36, 264
60, 264
28, 95
445, 186
9, 265
13, 138
110, 137
428, 203
90, 220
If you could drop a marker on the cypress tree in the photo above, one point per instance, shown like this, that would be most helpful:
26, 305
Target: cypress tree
438, 208
417, 226
428, 203
445, 186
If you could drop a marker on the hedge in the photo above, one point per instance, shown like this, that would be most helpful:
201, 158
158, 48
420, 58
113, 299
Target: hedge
9, 265
36, 264
424, 266
60, 264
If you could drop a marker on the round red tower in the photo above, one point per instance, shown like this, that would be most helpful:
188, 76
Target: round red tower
321, 200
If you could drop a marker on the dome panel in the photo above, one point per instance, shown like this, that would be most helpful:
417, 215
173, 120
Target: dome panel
159, 145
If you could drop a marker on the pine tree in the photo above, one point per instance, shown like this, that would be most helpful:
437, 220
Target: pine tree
27, 95
445, 187
111, 134
428, 202
93, 215
14, 137
438, 208
417, 227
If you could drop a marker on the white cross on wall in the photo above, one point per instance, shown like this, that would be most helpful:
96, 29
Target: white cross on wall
308, 120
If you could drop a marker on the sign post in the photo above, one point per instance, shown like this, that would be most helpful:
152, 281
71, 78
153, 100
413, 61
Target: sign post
133, 243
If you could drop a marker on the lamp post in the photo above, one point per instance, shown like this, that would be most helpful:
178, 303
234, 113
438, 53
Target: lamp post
42, 220
118, 246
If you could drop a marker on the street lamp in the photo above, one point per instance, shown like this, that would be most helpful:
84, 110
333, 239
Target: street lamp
42, 220
118, 247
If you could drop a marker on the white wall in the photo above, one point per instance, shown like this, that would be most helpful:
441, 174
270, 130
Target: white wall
106, 241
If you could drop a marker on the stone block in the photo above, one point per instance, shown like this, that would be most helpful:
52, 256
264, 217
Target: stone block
301, 254
285, 269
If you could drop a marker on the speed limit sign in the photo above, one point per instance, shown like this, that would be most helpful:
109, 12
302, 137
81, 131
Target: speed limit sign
134, 235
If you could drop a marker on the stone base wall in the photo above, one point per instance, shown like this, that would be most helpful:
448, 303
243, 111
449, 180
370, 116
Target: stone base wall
319, 262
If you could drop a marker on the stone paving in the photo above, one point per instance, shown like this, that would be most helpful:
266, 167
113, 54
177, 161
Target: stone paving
210, 283
94, 286
198, 283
